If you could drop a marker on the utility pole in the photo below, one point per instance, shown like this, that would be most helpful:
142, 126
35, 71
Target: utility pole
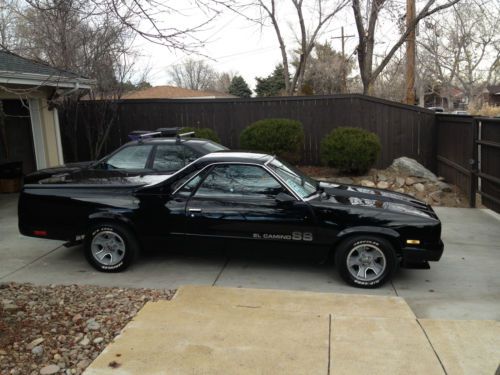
410, 53
344, 67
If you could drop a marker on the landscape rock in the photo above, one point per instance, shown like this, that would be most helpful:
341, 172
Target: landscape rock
410, 181
34, 343
367, 183
444, 186
84, 342
411, 167
400, 182
84, 363
344, 180
381, 177
92, 325
419, 187
37, 351
383, 185
49, 370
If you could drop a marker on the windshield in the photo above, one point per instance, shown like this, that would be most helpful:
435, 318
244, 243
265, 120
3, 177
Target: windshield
301, 184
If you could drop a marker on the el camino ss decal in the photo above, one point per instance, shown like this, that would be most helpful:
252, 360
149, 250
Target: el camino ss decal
295, 236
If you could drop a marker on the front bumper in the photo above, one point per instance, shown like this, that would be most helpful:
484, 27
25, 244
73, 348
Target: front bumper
420, 254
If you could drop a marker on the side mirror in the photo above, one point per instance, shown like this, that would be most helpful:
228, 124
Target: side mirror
284, 199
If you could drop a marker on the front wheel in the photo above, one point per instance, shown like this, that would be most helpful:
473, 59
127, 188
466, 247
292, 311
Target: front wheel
365, 261
110, 247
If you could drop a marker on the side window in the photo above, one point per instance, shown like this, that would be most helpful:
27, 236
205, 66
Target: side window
168, 158
187, 189
131, 157
239, 181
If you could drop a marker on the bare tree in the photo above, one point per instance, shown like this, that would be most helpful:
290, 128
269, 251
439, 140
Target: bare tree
464, 51
157, 21
319, 13
366, 16
98, 47
390, 83
194, 75
223, 81
7, 23
324, 71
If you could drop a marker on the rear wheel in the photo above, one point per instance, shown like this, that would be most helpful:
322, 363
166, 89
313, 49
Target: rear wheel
110, 247
365, 261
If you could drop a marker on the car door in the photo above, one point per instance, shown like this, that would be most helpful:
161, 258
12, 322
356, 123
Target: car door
247, 205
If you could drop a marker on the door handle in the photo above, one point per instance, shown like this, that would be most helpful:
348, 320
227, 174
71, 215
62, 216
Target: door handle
194, 211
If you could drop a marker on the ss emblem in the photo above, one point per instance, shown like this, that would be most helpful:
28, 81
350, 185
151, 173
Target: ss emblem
299, 236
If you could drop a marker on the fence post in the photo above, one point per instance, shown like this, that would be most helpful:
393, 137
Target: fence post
474, 164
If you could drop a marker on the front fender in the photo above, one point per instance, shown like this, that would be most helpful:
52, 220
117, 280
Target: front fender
368, 229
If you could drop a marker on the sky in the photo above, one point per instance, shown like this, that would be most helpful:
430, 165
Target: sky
238, 45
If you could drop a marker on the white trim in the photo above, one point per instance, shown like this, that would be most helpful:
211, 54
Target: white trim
33, 79
60, 154
38, 137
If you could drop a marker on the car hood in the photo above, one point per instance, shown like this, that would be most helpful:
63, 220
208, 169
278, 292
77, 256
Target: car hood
360, 196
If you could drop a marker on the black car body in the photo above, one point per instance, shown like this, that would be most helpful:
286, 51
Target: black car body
158, 155
238, 199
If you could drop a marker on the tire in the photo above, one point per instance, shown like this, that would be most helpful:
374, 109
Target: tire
365, 261
110, 247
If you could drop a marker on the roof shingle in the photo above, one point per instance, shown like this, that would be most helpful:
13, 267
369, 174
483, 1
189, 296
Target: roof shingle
10, 62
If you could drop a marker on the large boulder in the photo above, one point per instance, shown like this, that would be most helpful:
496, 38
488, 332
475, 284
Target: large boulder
411, 167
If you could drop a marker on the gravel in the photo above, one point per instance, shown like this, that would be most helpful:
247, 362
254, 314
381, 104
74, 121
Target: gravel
62, 329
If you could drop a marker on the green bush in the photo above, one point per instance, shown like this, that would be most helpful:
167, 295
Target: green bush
350, 150
206, 133
281, 137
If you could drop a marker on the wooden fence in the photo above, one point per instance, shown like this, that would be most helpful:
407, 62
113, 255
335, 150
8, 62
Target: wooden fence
468, 155
403, 130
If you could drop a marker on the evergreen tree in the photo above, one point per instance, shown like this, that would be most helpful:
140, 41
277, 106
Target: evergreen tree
272, 85
239, 87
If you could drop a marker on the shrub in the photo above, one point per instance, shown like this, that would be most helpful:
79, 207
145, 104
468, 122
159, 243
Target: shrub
350, 150
206, 133
281, 137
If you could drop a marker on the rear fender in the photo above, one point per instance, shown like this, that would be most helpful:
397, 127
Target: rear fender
111, 216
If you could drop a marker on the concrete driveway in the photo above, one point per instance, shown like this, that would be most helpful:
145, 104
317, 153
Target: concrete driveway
463, 285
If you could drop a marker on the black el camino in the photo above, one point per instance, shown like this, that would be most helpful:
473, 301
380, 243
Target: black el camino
237, 199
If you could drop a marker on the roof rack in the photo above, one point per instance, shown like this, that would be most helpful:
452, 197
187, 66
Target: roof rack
139, 135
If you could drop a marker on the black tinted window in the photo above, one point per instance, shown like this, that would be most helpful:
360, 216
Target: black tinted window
168, 158
239, 180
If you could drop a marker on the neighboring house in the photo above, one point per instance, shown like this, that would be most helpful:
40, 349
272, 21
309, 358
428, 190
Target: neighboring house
29, 130
450, 98
491, 95
172, 92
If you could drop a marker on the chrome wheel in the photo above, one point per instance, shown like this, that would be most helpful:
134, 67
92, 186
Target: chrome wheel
108, 248
366, 262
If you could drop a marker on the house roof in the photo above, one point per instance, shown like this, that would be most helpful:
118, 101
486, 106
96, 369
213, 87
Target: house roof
172, 92
494, 89
19, 70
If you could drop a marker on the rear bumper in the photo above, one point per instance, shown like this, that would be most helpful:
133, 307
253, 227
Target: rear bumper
419, 254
